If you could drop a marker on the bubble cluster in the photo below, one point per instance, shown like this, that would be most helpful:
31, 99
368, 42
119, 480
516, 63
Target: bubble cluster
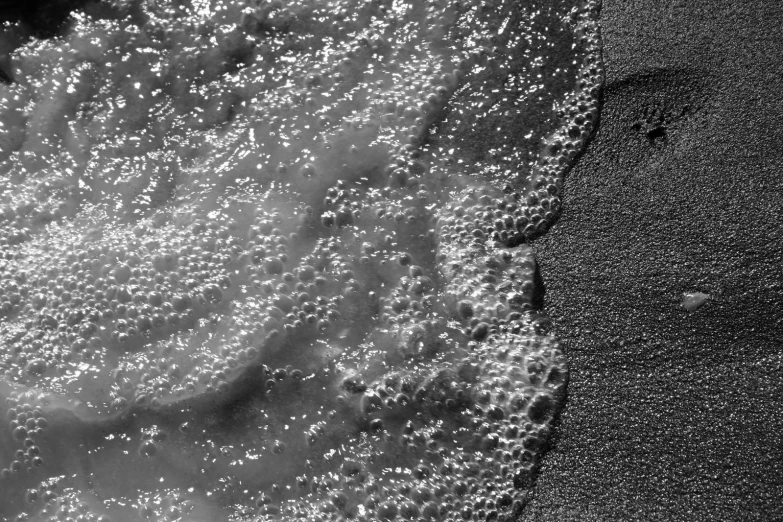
26, 423
268, 260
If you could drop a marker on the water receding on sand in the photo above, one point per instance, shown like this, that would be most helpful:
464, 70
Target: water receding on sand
269, 260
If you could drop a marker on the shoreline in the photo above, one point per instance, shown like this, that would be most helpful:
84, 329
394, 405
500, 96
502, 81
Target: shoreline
670, 414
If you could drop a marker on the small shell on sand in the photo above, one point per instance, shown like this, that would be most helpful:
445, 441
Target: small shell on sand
692, 301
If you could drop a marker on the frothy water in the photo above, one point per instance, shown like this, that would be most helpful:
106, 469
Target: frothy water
270, 260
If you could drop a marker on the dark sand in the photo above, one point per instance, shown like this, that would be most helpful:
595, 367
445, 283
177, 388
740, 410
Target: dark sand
673, 415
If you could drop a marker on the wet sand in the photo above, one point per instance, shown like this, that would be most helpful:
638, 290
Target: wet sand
673, 415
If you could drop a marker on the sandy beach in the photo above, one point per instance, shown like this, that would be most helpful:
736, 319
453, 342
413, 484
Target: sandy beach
673, 415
